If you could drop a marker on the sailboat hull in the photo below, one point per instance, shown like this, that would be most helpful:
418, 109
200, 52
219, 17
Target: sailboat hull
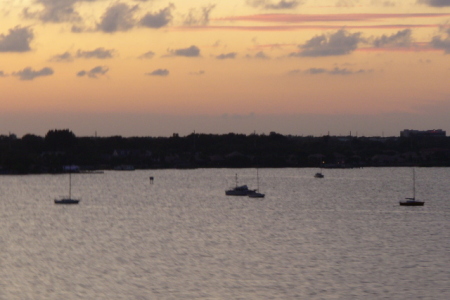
66, 201
412, 203
256, 195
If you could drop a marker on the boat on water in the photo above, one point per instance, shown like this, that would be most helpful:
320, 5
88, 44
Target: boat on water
68, 200
412, 201
319, 175
256, 193
242, 190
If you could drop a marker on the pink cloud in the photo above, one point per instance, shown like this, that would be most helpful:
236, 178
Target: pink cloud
300, 18
301, 27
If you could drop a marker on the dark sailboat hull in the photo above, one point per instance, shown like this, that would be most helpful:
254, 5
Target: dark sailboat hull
412, 203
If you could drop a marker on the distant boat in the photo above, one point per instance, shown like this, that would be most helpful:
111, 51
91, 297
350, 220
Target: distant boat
412, 201
68, 200
256, 193
319, 175
242, 190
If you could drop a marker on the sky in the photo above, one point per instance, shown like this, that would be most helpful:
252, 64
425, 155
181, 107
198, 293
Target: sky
156, 67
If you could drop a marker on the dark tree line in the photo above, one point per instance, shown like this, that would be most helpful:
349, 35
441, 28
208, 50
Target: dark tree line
59, 148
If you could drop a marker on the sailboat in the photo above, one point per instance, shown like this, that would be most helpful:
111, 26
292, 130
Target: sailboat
242, 190
256, 193
412, 201
68, 200
319, 174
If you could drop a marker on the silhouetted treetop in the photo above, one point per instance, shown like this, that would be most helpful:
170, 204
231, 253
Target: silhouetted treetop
60, 140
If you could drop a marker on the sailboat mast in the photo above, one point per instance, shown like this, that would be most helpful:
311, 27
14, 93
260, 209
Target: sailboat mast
257, 179
70, 185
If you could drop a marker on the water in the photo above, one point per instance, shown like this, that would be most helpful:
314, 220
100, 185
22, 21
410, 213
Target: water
341, 237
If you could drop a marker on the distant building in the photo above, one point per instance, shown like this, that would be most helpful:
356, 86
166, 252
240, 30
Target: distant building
434, 132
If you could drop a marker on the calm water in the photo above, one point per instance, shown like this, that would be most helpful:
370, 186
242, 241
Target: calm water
341, 237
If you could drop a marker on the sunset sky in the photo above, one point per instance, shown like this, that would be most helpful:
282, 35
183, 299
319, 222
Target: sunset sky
156, 67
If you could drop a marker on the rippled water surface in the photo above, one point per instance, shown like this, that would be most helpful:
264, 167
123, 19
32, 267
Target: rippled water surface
341, 237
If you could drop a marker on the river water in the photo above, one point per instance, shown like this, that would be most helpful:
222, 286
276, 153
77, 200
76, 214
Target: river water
341, 237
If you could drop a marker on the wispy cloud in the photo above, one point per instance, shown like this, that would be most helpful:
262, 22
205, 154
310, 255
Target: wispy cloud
199, 16
147, 55
94, 72
100, 53
339, 43
281, 4
258, 55
230, 55
333, 71
159, 72
198, 73
30, 74
192, 51
64, 57
17, 40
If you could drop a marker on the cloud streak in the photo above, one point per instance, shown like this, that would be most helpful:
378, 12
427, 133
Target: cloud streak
64, 57
100, 53
147, 55
94, 72
231, 55
281, 4
159, 72
303, 18
334, 71
30, 74
192, 51
283, 28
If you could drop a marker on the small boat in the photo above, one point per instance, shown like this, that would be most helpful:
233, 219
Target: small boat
412, 201
256, 193
242, 190
319, 175
68, 200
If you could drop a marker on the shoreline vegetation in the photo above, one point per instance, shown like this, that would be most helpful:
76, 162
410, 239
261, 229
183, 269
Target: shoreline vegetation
61, 151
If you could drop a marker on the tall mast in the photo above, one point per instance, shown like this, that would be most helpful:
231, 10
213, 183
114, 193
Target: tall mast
257, 180
70, 185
